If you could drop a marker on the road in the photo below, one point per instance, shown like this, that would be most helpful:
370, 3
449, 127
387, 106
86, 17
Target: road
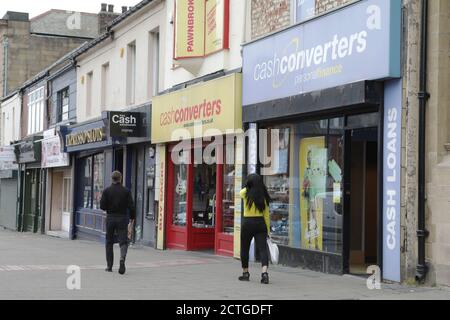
35, 267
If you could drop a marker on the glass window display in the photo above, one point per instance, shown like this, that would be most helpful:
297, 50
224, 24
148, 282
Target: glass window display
180, 195
304, 180
98, 180
277, 182
228, 191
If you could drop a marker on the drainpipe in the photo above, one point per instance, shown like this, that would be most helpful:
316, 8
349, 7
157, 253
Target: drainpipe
422, 232
5, 66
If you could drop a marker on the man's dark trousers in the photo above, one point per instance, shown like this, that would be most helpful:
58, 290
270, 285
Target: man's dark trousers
119, 225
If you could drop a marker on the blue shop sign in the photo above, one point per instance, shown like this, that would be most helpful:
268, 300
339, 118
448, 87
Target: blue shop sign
87, 136
358, 42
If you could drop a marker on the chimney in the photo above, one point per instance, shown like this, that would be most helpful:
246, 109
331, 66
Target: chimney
105, 17
124, 9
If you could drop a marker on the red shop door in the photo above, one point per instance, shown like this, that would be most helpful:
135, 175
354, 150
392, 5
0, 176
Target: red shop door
178, 213
224, 237
192, 198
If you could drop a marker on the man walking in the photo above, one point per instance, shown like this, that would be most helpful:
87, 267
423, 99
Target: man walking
116, 199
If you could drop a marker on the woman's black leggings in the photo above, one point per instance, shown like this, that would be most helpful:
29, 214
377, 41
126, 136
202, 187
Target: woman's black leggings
254, 228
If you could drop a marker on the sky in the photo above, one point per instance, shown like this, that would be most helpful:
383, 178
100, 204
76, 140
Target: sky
36, 7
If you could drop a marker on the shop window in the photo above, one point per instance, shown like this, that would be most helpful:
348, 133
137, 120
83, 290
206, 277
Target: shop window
180, 195
276, 176
92, 182
304, 179
228, 190
320, 151
99, 161
86, 182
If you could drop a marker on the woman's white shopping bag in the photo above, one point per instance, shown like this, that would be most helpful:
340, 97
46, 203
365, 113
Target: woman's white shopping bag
251, 254
273, 250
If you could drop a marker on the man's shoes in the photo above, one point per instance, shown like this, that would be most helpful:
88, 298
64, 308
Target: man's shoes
265, 278
245, 277
122, 268
108, 269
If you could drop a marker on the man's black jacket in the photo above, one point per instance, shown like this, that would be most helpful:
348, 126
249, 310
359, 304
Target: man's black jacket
116, 199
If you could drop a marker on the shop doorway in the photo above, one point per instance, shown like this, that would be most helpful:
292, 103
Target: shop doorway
362, 188
118, 160
32, 201
200, 208
60, 214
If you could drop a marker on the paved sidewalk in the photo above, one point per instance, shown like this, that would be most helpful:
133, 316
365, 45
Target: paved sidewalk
34, 267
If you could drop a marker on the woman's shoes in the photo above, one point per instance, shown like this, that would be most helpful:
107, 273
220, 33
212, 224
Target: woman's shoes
245, 277
265, 278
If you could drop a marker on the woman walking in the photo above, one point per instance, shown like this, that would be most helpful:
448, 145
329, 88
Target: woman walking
255, 224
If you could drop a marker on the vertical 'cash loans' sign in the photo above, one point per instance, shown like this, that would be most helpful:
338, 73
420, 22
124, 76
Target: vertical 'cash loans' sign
391, 179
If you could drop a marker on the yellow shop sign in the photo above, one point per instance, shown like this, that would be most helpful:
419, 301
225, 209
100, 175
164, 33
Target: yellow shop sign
201, 110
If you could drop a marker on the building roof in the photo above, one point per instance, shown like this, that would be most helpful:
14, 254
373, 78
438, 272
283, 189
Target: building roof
110, 26
66, 24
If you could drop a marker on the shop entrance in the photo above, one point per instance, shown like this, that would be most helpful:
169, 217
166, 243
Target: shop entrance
32, 201
200, 206
362, 199
60, 199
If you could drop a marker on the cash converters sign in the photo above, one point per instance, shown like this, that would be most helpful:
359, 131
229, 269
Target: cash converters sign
325, 52
201, 27
215, 104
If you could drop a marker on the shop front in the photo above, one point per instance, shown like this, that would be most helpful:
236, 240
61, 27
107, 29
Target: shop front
97, 149
195, 129
8, 188
325, 100
58, 198
31, 185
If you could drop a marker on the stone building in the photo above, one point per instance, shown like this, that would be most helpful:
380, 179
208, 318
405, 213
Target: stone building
30, 45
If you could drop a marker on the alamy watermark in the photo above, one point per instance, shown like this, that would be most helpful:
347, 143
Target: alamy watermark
265, 146
374, 281
74, 21
73, 282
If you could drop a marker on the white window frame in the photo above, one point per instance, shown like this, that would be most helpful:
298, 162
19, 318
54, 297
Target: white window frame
106, 74
36, 99
131, 72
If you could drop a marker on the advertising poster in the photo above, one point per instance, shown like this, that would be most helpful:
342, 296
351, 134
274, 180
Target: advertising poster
7, 158
239, 167
189, 26
313, 174
51, 154
160, 192
215, 26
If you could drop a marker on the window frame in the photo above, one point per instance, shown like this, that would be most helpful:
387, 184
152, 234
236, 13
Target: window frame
35, 104
61, 105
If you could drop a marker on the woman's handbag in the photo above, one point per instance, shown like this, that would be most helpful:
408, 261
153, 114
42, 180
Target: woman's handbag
273, 250
251, 254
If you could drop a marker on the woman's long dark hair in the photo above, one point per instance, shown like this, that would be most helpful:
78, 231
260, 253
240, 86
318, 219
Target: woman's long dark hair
257, 192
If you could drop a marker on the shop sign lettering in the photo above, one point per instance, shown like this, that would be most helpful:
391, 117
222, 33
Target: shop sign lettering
391, 179
325, 52
85, 137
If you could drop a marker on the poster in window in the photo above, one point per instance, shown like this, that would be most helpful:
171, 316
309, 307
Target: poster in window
281, 151
313, 175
